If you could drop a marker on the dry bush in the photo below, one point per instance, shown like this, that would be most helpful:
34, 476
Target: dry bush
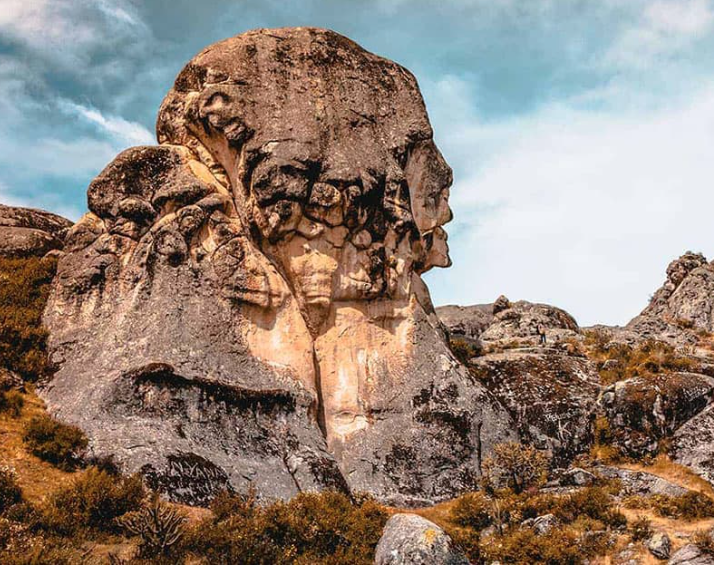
312, 528
693, 505
24, 288
92, 501
641, 529
11, 403
55, 442
464, 350
516, 465
472, 510
10, 492
159, 525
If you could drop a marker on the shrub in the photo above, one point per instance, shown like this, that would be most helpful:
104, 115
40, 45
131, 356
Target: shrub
158, 524
10, 492
641, 529
592, 502
92, 501
516, 465
471, 510
704, 540
464, 350
11, 403
693, 505
324, 528
24, 288
53, 441
559, 546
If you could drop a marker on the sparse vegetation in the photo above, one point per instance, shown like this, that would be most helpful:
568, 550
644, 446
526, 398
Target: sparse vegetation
617, 361
641, 528
464, 350
11, 403
55, 442
24, 288
158, 524
10, 492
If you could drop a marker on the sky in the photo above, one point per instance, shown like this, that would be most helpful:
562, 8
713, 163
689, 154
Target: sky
581, 132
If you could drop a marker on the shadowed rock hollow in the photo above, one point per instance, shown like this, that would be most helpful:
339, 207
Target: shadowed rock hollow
243, 304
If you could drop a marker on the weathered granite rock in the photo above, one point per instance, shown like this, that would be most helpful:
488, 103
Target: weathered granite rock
683, 306
643, 411
541, 525
659, 545
411, 539
692, 445
690, 554
504, 322
576, 477
550, 395
640, 482
243, 303
26, 231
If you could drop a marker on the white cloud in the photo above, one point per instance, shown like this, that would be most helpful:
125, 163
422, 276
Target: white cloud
123, 132
579, 208
666, 28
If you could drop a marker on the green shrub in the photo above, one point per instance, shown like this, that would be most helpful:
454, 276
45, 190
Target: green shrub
10, 492
92, 501
53, 441
324, 528
24, 288
516, 465
11, 403
641, 529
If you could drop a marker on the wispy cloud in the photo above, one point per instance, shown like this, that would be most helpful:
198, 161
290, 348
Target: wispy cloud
121, 131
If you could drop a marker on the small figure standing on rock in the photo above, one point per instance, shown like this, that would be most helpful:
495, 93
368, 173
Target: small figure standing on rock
541, 333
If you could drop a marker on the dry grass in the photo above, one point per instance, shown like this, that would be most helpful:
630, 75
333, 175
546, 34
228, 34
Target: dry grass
664, 467
36, 477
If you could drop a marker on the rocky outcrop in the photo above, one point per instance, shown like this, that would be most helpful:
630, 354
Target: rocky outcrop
692, 445
411, 539
643, 411
26, 231
243, 304
690, 554
550, 395
684, 306
640, 482
505, 323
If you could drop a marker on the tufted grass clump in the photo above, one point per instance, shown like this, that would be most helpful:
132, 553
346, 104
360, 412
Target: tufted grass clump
53, 441
11, 403
10, 492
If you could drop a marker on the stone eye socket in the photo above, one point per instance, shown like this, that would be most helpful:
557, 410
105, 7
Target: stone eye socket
275, 181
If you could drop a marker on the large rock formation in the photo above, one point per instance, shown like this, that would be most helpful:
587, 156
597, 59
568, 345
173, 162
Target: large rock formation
550, 391
26, 231
243, 303
683, 308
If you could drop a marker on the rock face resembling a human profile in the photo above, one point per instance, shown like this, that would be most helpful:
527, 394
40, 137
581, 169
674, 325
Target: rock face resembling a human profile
243, 304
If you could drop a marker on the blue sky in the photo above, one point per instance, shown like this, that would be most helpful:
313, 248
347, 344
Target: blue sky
581, 132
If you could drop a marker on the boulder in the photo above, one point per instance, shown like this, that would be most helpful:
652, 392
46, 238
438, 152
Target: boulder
640, 482
684, 306
692, 445
243, 304
26, 231
690, 554
411, 539
577, 477
642, 411
541, 525
659, 545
